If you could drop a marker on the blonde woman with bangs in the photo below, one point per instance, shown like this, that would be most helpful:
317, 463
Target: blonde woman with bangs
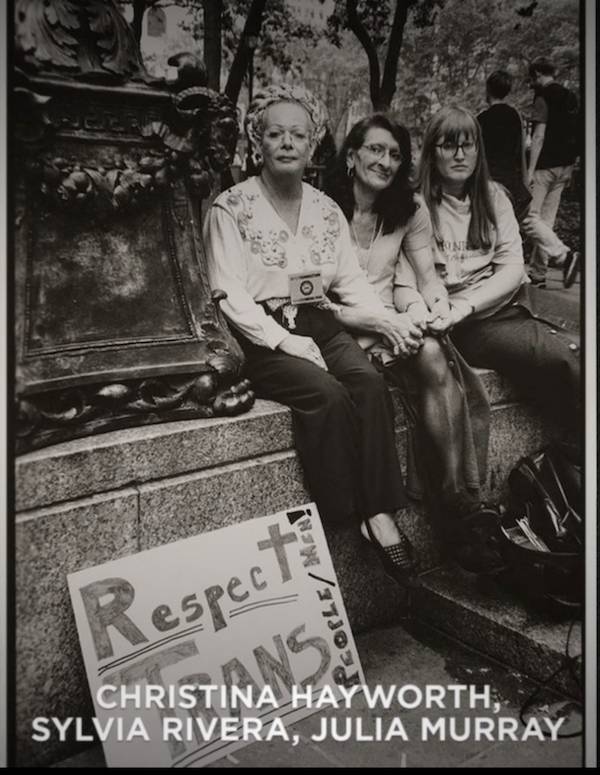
498, 320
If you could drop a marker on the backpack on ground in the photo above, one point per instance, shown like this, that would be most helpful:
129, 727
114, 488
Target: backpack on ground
542, 531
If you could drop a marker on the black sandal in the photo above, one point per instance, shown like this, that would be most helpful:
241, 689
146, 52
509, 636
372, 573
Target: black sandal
397, 560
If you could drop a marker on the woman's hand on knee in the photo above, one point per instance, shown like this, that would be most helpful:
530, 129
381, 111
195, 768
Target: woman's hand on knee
302, 347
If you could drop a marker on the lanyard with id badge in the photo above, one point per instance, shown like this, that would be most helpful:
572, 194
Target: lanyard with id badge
305, 288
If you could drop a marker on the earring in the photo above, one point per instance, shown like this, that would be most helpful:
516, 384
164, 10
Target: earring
349, 169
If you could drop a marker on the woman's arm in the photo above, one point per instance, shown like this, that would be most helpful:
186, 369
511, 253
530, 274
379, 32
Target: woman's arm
227, 271
507, 261
398, 329
506, 279
540, 119
432, 290
429, 284
431, 302
362, 309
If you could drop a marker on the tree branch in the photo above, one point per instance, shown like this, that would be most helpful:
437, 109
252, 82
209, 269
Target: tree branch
390, 71
241, 60
213, 10
358, 28
139, 9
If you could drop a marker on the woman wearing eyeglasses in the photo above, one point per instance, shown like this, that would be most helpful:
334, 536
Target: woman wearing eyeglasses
498, 320
277, 247
391, 228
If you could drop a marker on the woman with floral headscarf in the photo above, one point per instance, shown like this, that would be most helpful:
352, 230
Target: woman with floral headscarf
277, 246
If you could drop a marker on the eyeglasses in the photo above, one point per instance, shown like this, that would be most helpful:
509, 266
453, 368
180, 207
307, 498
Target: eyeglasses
276, 133
378, 151
450, 149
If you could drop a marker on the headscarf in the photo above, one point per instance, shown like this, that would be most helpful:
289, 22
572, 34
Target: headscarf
282, 93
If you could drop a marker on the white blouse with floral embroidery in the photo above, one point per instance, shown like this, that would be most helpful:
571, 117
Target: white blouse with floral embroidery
251, 252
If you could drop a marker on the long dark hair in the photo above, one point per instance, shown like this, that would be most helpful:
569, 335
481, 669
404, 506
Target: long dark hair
449, 124
395, 204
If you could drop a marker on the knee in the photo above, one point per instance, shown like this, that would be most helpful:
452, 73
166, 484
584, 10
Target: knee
334, 398
565, 366
432, 364
370, 383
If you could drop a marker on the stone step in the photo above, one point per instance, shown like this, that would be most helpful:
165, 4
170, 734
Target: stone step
108, 461
493, 620
86, 502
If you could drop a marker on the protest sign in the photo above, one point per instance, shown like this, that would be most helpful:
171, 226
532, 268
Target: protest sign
177, 640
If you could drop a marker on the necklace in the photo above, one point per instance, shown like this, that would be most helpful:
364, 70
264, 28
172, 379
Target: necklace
374, 237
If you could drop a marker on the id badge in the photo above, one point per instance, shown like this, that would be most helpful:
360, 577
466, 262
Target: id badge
306, 287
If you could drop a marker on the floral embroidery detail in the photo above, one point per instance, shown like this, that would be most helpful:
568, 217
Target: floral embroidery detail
265, 244
323, 248
234, 197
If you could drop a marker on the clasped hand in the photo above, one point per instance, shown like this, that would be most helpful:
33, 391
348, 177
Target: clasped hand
404, 336
441, 318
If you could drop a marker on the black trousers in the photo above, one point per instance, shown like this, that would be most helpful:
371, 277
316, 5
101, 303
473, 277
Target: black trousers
534, 342
343, 420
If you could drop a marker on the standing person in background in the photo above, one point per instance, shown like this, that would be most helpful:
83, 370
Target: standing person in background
554, 148
504, 141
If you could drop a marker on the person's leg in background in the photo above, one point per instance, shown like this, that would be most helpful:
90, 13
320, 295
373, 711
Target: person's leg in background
546, 193
544, 238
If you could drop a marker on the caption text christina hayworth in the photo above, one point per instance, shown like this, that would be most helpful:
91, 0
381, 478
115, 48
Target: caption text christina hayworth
203, 712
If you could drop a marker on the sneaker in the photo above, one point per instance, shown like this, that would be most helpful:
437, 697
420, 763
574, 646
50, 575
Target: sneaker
571, 268
558, 261
537, 282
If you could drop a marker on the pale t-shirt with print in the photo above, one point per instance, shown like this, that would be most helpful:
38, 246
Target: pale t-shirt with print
251, 252
462, 267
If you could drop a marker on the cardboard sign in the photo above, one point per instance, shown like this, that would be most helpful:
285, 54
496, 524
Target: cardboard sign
253, 609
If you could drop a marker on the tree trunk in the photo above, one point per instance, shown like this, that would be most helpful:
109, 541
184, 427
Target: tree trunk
390, 71
139, 9
241, 60
358, 28
213, 10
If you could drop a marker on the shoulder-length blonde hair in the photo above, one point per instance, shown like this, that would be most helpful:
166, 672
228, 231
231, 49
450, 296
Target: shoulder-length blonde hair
449, 125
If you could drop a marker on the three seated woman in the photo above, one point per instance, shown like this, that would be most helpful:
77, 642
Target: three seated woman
330, 295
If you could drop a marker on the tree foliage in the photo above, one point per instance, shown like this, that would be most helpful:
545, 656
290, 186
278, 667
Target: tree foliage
375, 24
449, 61
443, 50
233, 31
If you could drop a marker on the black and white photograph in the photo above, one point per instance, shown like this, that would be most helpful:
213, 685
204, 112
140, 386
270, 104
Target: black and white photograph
300, 384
